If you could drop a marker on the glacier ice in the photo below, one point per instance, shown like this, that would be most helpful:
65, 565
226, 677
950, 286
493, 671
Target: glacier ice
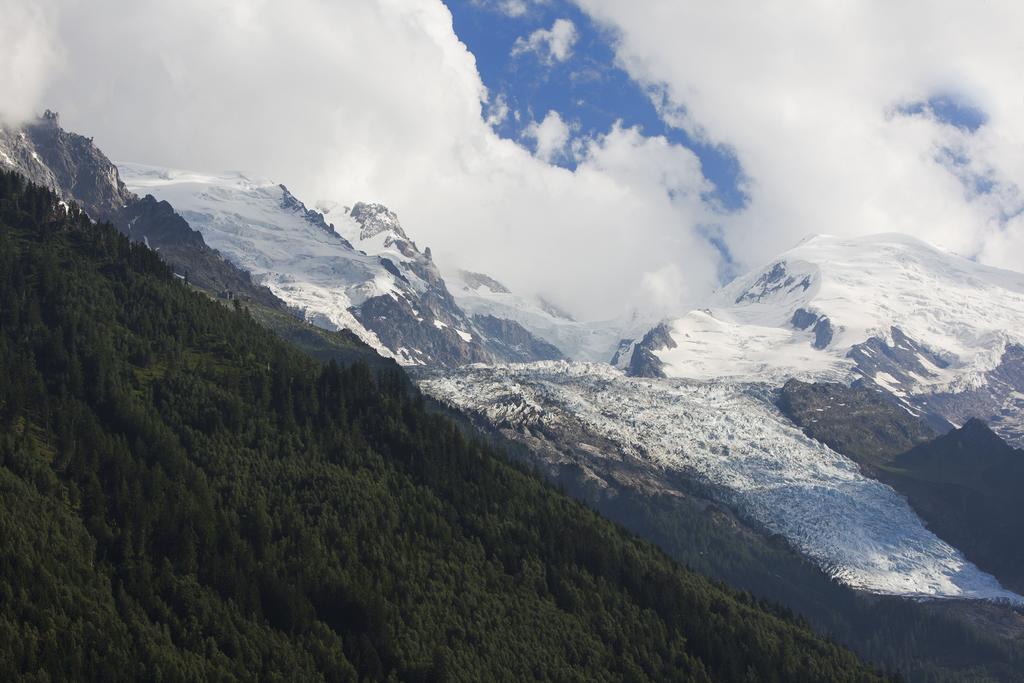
730, 437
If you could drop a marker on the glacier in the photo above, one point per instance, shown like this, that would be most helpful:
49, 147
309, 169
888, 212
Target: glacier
730, 437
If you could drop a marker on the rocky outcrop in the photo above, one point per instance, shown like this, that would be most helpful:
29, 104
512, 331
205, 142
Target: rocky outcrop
775, 280
819, 324
639, 359
427, 326
376, 219
156, 224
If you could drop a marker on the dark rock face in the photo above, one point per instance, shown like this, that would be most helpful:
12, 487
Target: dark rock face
853, 420
390, 266
802, 319
998, 400
80, 170
897, 360
515, 341
643, 362
775, 280
428, 324
398, 326
967, 486
822, 333
156, 222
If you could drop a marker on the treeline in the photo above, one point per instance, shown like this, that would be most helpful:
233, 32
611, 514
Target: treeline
185, 497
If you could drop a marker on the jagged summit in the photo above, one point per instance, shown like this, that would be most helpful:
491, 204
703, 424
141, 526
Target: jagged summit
375, 219
360, 272
67, 163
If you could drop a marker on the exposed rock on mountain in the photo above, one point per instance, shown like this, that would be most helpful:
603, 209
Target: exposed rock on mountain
857, 421
477, 281
639, 359
76, 170
519, 345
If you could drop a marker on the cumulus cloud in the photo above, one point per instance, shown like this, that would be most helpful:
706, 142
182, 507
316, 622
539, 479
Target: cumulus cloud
380, 101
510, 8
550, 135
550, 45
812, 97
514, 8
497, 110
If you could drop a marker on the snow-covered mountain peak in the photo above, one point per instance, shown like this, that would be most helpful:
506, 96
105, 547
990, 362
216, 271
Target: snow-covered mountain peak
866, 286
915, 320
382, 287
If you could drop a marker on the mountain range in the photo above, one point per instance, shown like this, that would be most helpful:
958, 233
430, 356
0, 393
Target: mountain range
849, 413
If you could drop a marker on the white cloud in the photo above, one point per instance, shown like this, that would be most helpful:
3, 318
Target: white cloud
497, 110
28, 54
549, 44
805, 94
379, 100
551, 136
514, 8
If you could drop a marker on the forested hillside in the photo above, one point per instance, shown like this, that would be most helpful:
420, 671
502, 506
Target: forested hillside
185, 497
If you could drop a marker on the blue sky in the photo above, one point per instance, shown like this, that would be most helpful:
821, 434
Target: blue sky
587, 89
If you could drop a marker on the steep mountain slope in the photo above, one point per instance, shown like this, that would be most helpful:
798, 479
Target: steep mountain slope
967, 485
73, 167
730, 439
188, 498
385, 291
942, 335
857, 421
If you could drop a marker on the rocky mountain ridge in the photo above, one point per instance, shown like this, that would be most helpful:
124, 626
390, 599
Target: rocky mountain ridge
353, 269
77, 171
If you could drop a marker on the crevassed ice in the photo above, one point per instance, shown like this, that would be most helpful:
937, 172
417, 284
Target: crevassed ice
731, 436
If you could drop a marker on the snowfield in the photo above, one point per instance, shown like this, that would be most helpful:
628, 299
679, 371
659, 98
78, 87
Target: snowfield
730, 437
257, 225
960, 310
